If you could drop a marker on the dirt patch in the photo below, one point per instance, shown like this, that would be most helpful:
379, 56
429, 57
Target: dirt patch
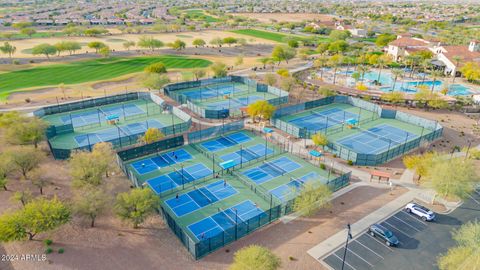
106, 84
286, 17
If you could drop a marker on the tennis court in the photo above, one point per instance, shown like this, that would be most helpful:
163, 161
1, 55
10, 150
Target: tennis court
246, 154
225, 220
151, 164
116, 132
271, 169
376, 139
178, 177
215, 90
234, 103
225, 141
322, 119
200, 197
83, 118
291, 189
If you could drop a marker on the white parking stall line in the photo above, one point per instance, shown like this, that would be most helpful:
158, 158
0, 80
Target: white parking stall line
402, 232
401, 220
345, 261
474, 199
369, 249
413, 218
351, 251
383, 244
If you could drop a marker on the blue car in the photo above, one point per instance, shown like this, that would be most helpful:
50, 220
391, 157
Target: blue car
377, 230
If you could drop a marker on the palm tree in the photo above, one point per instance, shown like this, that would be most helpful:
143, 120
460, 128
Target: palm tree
334, 61
457, 59
8, 49
435, 74
396, 73
363, 69
321, 62
426, 65
383, 61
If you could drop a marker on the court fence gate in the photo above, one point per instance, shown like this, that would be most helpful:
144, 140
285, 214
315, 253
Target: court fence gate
431, 130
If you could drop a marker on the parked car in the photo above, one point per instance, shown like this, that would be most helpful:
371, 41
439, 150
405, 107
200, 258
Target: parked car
421, 211
382, 232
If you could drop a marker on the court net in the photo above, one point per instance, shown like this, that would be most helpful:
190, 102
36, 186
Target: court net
226, 213
230, 140
204, 195
275, 168
373, 134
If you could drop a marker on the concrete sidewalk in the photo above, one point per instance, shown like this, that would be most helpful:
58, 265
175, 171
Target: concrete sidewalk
324, 248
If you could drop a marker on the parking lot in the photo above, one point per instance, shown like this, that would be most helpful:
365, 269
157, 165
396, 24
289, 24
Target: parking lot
365, 251
420, 242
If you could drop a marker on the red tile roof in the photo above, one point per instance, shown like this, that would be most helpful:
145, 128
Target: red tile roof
409, 42
462, 52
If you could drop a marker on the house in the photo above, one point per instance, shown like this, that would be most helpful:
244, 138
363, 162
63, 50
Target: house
405, 45
356, 32
454, 57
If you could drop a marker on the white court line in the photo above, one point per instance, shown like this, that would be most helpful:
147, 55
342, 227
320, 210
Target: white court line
401, 231
383, 244
208, 229
474, 199
406, 224
414, 218
357, 241
191, 199
254, 209
345, 261
351, 251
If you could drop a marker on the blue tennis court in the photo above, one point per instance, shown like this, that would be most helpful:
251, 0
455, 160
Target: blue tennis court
377, 139
319, 120
224, 220
271, 169
114, 133
248, 153
178, 177
201, 197
234, 103
226, 141
160, 161
96, 116
212, 91
290, 190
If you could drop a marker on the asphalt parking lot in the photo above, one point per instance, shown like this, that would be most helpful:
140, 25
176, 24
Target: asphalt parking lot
420, 242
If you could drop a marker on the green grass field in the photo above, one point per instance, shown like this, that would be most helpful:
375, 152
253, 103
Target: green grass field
278, 37
201, 15
86, 71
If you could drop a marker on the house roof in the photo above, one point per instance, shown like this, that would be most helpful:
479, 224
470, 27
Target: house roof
461, 51
409, 42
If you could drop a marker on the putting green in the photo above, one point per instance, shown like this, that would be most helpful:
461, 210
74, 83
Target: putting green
87, 71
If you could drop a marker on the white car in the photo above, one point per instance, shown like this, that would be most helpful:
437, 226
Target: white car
424, 213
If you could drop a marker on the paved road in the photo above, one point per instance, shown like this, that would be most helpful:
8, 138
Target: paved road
420, 242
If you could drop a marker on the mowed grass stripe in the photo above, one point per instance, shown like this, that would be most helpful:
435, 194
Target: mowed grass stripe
278, 37
85, 71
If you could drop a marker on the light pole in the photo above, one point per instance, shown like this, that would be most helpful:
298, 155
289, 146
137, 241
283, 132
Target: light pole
349, 236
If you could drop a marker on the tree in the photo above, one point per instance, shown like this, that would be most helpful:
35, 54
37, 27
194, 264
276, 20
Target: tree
38, 216
287, 84
71, 46
8, 49
39, 179
157, 68
340, 34
283, 72
435, 74
155, 81
383, 39
292, 43
471, 71
97, 45
198, 42
334, 61
26, 131
45, 49
270, 79
229, 41
178, 45
136, 205
5, 169
104, 155
457, 60
283, 53
217, 42
128, 44
90, 203
264, 61
239, 60
421, 164
21, 25
396, 73
104, 51
219, 69
454, 178
320, 139
25, 159
382, 61
198, 73
151, 135
150, 43
326, 92
28, 31
255, 257
85, 169
8, 35
261, 109
24, 197
312, 198
394, 97
338, 46
465, 254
